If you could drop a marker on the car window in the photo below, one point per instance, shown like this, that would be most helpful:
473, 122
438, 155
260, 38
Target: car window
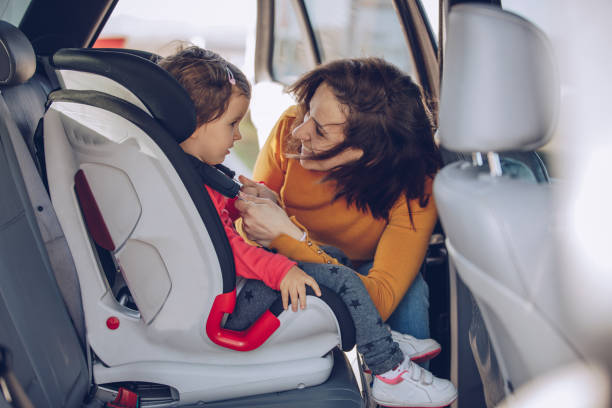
13, 10
432, 9
359, 28
291, 56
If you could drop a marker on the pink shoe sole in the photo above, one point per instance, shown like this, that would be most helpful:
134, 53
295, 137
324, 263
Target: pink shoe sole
418, 406
427, 356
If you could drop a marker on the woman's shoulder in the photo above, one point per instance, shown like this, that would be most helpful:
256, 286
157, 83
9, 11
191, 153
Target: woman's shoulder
285, 123
290, 113
271, 158
279, 136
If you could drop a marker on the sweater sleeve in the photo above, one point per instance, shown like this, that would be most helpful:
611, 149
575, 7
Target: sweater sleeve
400, 253
301, 251
398, 258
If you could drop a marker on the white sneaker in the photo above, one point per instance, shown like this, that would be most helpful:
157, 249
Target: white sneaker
411, 386
415, 349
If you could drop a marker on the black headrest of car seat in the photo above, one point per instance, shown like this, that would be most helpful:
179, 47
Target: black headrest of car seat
140, 53
17, 57
162, 95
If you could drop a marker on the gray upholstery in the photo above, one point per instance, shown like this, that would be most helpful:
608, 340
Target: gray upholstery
47, 357
500, 89
500, 93
17, 58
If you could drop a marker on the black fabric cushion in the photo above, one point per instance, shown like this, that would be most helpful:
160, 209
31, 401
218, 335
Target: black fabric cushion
17, 58
163, 96
140, 53
184, 168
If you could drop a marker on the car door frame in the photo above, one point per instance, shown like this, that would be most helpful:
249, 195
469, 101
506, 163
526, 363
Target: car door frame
411, 16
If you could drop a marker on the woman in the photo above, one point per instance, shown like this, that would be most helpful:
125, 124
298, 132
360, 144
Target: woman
352, 167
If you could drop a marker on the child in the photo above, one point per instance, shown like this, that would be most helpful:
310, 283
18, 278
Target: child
221, 95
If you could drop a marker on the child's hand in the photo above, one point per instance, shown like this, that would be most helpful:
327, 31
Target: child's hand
253, 188
294, 285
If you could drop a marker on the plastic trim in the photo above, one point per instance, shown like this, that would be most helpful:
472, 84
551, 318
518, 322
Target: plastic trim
91, 212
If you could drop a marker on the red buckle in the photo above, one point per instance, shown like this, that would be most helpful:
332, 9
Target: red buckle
247, 340
125, 399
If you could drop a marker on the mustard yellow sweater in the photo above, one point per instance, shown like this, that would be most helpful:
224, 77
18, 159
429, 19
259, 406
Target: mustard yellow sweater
395, 246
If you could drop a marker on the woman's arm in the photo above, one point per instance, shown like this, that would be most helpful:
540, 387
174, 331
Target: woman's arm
267, 224
263, 220
399, 254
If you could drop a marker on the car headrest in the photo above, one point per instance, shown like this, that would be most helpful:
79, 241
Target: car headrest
164, 98
17, 57
500, 86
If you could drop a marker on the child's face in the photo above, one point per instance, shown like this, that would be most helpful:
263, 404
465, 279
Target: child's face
211, 141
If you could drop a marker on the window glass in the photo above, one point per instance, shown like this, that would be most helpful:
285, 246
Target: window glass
432, 11
292, 55
359, 28
13, 10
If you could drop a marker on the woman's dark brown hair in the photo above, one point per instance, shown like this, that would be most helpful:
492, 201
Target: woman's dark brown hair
388, 118
205, 75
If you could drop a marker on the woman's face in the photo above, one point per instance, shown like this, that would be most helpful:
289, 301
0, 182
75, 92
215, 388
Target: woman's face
323, 129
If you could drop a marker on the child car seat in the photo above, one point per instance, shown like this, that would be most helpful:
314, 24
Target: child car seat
127, 196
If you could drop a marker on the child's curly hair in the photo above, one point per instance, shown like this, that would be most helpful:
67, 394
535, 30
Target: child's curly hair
206, 76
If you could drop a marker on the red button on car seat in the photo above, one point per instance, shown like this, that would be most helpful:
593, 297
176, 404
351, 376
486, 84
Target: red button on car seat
112, 323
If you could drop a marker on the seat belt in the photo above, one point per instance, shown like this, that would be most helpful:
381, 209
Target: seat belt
51, 232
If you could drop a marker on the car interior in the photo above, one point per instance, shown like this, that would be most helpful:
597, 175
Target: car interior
101, 292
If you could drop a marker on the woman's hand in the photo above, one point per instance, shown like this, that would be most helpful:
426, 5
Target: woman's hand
253, 188
263, 220
293, 286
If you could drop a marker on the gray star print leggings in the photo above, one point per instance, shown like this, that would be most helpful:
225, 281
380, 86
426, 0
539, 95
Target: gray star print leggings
373, 340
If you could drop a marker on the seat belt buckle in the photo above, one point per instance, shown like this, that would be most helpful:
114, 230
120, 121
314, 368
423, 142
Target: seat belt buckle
125, 399
4, 369
4, 390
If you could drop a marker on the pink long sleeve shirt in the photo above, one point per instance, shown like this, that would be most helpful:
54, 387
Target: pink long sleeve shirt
251, 262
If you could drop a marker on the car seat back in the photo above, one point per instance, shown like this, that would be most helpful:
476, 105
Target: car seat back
46, 356
500, 93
